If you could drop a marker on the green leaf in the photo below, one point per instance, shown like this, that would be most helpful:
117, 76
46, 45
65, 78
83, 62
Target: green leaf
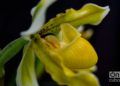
88, 14
10, 51
26, 71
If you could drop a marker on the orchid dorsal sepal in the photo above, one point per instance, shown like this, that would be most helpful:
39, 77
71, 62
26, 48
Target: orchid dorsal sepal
88, 14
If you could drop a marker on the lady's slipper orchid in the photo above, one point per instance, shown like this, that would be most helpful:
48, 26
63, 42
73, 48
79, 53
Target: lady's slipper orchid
65, 53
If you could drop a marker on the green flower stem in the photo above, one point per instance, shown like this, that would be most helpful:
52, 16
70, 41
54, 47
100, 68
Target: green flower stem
9, 51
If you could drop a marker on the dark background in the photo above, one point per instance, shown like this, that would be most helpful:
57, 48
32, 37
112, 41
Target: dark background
15, 17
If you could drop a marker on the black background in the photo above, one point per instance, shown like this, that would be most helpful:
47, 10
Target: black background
15, 17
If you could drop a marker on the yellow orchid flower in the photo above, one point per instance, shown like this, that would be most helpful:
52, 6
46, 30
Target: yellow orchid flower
65, 53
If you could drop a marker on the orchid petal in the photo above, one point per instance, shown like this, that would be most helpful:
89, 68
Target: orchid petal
38, 13
26, 71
